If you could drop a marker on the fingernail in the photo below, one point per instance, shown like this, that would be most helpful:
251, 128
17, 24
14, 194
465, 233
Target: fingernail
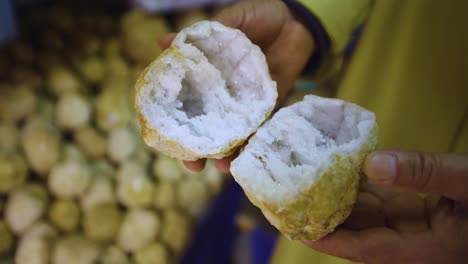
381, 166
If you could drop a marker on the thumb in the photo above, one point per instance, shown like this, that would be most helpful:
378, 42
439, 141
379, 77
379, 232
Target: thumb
166, 41
444, 174
232, 16
261, 21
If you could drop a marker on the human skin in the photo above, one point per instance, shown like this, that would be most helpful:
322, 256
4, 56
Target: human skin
392, 223
285, 41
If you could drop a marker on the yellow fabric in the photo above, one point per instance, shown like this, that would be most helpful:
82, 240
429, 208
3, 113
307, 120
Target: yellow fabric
410, 68
339, 19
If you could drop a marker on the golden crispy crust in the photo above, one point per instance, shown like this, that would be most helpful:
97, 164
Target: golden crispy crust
324, 205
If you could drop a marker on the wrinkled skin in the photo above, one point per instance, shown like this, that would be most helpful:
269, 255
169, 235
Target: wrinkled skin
391, 223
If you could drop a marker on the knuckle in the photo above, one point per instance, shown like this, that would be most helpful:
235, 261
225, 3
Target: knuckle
425, 168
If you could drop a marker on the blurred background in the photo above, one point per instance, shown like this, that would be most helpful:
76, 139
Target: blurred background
77, 183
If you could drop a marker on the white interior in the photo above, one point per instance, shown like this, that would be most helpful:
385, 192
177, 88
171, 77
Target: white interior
217, 92
290, 151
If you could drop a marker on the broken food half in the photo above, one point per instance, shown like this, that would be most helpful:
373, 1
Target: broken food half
302, 167
206, 94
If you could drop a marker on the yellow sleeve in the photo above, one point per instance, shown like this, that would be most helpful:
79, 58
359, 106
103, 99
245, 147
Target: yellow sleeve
339, 19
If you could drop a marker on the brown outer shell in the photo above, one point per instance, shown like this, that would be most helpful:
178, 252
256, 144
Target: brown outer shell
319, 209
170, 147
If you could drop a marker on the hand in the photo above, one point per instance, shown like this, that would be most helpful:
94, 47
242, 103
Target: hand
392, 224
286, 42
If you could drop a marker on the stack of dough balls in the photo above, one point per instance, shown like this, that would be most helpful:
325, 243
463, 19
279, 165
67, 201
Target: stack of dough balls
207, 93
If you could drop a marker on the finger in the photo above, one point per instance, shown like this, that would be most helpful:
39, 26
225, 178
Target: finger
255, 20
368, 200
406, 213
357, 245
364, 218
292, 38
166, 41
270, 25
405, 205
431, 201
449, 225
195, 166
367, 213
224, 165
384, 193
445, 174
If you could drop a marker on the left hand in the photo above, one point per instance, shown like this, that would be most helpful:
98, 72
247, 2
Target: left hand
392, 223
284, 39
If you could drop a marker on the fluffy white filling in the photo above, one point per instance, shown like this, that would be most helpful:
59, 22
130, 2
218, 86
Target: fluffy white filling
290, 151
216, 91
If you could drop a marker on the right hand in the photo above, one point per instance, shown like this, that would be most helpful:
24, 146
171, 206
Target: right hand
391, 223
285, 41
